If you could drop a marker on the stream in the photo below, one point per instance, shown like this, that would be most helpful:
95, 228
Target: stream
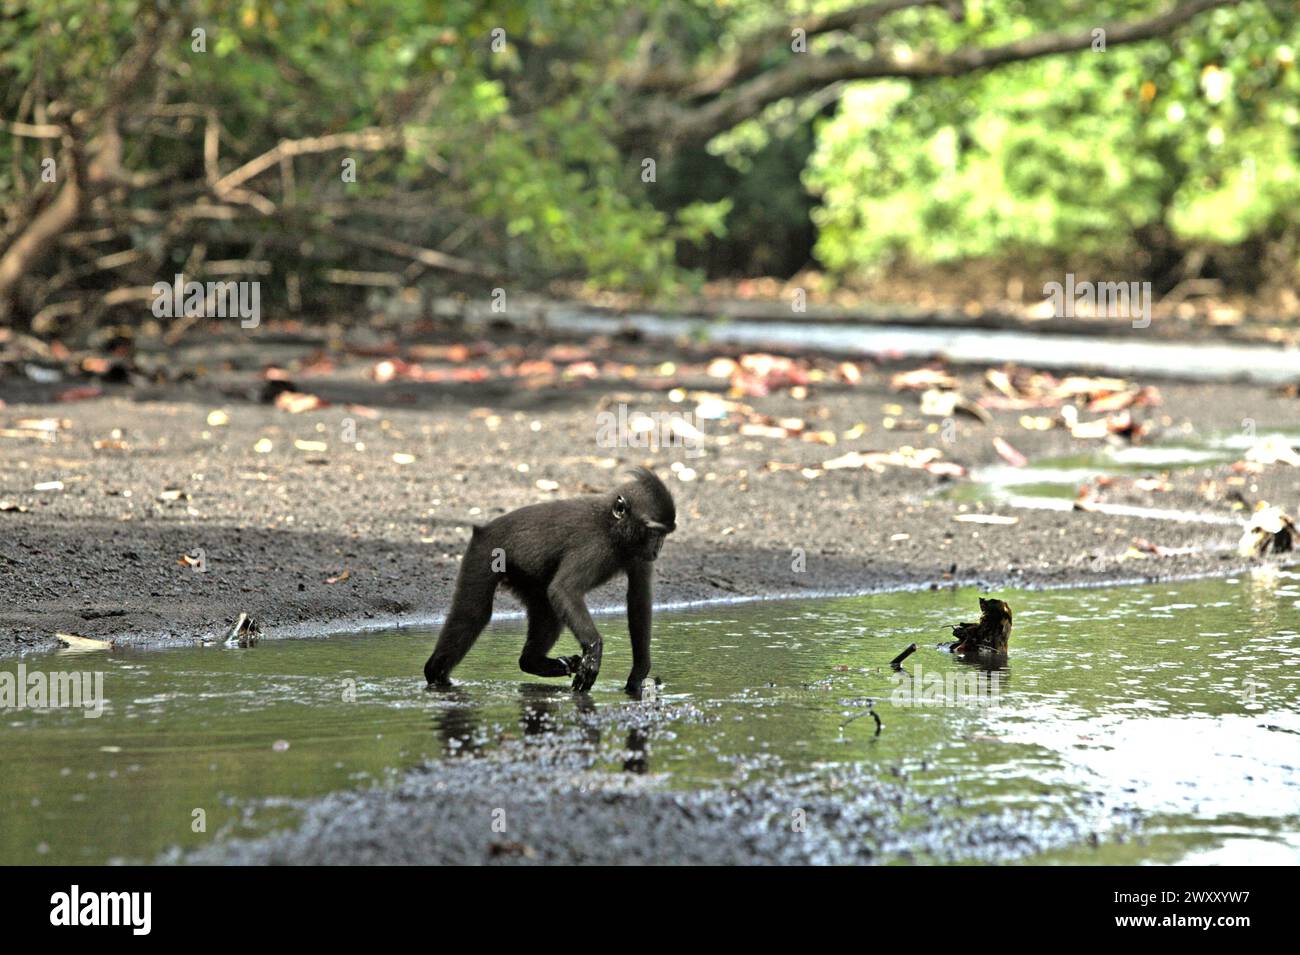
1160, 718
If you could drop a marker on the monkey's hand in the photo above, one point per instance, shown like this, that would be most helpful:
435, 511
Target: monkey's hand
572, 663
588, 670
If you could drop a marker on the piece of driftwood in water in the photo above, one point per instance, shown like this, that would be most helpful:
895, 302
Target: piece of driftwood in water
990, 636
245, 632
898, 660
72, 642
1271, 531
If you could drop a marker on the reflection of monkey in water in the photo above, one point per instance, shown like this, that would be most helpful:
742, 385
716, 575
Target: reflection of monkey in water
550, 555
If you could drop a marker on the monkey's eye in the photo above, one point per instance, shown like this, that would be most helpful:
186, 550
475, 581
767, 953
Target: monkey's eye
620, 508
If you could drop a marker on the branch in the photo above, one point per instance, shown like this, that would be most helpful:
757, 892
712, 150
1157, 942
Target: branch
755, 49
428, 257
375, 138
32, 130
805, 73
83, 174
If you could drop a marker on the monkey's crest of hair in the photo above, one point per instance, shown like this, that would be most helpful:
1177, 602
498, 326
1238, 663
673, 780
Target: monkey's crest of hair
655, 499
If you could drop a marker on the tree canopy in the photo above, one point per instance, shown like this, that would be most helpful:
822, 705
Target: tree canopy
327, 144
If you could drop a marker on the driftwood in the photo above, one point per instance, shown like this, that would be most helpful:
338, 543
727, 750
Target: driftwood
898, 660
1271, 531
990, 636
245, 632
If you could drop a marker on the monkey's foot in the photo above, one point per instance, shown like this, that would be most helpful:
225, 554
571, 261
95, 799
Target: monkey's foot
637, 688
550, 666
585, 677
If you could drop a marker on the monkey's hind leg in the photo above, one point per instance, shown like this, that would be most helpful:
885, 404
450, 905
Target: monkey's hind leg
543, 630
471, 609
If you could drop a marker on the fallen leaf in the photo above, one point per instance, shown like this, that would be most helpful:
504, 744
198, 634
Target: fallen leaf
945, 469
721, 368
1009, 454
1033, 423
296, 402
920, 379
986, 519
945, 404
80, 393
1275, 449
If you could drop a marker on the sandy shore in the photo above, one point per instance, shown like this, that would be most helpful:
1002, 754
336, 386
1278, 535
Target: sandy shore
356, 514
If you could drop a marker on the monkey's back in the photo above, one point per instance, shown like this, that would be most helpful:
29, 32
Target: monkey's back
535, 538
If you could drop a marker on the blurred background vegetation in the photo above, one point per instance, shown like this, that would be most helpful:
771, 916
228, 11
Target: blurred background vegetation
846, 140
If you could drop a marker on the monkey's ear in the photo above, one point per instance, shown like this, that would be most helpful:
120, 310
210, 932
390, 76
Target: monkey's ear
620, 508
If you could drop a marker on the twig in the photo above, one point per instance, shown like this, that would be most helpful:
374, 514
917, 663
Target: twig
897, 662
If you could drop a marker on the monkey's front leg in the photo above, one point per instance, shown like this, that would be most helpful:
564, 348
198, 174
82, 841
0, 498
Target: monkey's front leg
639, 601
572, 609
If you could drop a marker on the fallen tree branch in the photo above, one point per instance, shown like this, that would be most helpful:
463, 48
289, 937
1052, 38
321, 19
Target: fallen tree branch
428, 257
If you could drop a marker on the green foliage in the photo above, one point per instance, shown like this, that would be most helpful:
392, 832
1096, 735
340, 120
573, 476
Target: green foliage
519, 158
1198, 139
525, 157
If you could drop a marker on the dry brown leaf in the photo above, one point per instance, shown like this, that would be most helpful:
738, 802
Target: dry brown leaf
1009, 454
296, 402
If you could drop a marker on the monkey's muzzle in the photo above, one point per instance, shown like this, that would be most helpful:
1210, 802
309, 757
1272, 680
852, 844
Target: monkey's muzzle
656, 533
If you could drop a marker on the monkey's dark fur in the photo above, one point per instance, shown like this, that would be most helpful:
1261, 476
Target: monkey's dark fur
550, 555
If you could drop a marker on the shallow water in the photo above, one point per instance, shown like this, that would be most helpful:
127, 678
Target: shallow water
1134, 354
1172, 707
1054, 482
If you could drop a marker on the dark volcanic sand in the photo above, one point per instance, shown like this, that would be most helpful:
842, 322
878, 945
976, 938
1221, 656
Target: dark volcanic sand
557, 809
100, 557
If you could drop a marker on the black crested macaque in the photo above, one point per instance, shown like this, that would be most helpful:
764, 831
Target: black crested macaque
550, 555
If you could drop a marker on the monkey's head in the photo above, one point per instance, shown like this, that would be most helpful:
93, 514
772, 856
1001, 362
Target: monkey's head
642, 514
